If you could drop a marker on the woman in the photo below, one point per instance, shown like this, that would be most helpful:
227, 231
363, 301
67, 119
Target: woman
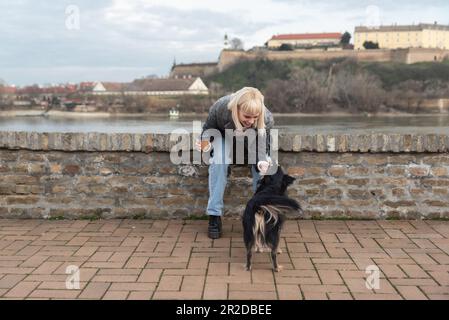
239, 112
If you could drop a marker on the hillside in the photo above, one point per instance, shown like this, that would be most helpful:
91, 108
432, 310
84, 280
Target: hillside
258, 73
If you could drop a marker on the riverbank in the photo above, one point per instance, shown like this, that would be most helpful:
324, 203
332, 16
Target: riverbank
70, 114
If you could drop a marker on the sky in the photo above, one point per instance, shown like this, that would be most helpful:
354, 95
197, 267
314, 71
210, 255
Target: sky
60, 41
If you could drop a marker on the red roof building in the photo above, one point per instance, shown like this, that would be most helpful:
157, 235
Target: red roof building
86, 86
8, 90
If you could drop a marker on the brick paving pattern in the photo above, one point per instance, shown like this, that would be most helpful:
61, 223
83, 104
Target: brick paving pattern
161, 259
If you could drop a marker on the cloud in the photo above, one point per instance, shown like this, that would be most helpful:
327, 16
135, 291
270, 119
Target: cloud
76, 74
164, 23
126, 39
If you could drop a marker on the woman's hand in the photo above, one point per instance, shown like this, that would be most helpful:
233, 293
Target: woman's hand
263, 167
204, 145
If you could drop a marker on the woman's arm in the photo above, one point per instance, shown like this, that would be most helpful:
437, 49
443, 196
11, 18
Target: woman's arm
263, 157
212, 119
211, 122
269, 123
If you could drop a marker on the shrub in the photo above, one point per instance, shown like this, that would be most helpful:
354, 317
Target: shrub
305, 91
358, 92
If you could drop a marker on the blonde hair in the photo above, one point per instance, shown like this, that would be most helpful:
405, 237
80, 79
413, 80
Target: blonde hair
248, 100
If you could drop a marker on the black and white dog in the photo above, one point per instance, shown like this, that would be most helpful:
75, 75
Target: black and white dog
263, 217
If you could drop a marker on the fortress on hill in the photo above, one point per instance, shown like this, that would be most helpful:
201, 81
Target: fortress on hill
228, 58
403, 44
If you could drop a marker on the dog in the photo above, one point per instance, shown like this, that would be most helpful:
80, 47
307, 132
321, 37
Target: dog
263, 217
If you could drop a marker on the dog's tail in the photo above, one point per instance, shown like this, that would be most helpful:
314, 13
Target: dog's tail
269, 215
263, 209
276, 203
259, 228
265, 219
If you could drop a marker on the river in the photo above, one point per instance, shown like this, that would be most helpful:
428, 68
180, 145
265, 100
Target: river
285, 123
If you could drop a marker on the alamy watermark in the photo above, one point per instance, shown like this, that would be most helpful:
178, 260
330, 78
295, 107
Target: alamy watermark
372, 16
73, 18
228, 146
373, 279
73, 280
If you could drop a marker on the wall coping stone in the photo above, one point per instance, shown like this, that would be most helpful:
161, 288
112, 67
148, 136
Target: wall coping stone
288, 142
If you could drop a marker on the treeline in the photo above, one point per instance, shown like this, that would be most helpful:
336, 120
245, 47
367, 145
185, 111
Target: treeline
154, 104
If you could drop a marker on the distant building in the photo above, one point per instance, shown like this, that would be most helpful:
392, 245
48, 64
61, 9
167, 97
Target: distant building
21, 103
226, 42
86, 86
8, 90
192, 70
152, 87
59, 89
30, 90
108, 88
305, 40
189, 86
402, 37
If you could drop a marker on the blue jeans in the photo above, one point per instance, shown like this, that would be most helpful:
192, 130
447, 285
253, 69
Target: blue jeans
218, 177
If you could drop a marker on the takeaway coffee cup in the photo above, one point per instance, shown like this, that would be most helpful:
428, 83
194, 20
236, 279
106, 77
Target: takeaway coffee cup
205, 145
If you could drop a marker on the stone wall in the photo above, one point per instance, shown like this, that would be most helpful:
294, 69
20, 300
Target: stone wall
426, 55
412, 55
193, 70
93, 175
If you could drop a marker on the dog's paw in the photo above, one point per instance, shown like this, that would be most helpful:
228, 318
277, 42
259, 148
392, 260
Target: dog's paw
279, 251
278, 269
248, 268
258, 249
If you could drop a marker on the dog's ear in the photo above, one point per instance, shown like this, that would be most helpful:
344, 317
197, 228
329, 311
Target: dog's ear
288, 180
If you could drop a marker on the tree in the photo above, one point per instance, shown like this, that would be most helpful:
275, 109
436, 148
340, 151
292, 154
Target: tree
370, 45
236, 44
216, 90
358, 92
286, 47
345, 38
407, 95
305, 91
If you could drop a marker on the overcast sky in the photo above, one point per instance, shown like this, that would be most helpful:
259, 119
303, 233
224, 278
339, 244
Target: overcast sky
43, 41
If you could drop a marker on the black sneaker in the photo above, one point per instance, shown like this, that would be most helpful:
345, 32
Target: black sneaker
214, 229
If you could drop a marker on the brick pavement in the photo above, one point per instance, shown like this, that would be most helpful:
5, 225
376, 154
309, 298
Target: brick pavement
160, 259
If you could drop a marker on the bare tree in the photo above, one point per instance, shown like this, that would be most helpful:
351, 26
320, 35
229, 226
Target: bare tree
407, 96
236, 44
358, 91
276, 96
411, 94
308, 90
305, 91
436, 88
216, 90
